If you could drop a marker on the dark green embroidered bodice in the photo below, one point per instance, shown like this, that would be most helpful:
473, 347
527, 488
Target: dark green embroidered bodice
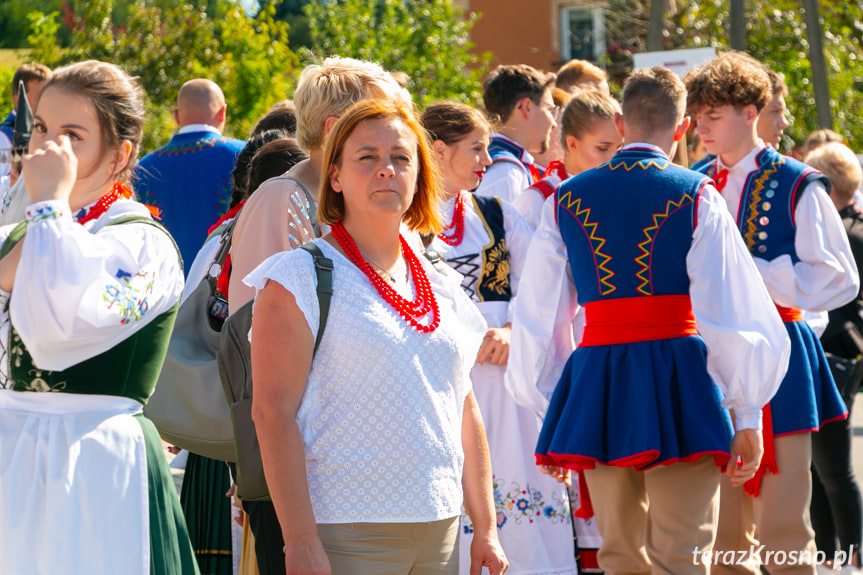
129, 369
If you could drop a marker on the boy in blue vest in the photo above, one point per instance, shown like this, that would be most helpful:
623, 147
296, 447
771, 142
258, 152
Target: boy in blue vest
797, 241
678, 327
519, 104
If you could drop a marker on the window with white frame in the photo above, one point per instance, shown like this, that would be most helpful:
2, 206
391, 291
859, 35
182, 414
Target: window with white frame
582, 33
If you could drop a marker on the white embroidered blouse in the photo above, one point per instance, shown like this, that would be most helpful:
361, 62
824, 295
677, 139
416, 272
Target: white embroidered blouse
85, 288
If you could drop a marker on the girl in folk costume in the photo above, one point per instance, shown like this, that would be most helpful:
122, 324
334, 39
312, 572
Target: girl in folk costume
487, 242
588, 137
90, 296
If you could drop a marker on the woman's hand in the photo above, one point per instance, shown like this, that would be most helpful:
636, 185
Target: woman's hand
50, 171
8, 267
561, 474
305, 555
495, 346
485, 551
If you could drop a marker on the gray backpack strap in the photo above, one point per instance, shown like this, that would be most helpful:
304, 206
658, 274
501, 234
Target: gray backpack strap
324, 272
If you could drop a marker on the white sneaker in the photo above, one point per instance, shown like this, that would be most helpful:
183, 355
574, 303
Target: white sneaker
850, 570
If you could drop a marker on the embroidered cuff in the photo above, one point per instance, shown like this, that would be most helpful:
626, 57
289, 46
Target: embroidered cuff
747, 419
50, 210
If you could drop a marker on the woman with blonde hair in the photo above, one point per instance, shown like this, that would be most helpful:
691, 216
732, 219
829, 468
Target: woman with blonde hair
371, 443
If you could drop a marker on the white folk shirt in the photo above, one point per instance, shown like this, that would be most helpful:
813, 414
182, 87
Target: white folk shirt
504, 179
826, 275
747, 345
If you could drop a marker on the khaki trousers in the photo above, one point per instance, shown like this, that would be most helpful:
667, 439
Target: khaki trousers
392, 548
655, 521
778, 518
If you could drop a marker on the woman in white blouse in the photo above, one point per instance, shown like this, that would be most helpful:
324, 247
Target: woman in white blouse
371, 447
89, 297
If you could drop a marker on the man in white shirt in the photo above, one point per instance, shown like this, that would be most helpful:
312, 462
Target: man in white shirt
519, 103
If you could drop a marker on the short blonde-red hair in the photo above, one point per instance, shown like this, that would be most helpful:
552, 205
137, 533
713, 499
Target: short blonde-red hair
422, 215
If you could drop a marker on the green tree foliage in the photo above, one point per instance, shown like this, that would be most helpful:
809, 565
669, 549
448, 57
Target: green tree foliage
291, 12
165, 44
429, 41
776, 35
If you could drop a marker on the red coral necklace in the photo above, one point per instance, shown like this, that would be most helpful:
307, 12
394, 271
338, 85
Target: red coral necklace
457, 225
411, 311
101, 206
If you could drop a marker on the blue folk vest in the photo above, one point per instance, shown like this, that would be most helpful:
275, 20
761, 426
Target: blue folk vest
766, 215
628, 224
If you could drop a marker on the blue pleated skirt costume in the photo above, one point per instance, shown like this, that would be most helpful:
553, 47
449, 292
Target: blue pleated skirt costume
807, 397
636, 392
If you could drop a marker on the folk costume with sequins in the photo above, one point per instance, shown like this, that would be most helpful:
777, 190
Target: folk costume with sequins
798, 244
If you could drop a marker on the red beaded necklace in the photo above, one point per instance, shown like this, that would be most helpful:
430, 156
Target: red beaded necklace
457, 225
101, 206
424, 302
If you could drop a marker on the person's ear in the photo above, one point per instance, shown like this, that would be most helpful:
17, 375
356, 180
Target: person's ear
750, 113
571, 143
618, 123
524, 107
328, 125
121, 159
335, 181
682, 127
440, 149
176, 114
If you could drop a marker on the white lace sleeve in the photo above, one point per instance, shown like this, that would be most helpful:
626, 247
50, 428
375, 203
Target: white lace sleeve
295, 271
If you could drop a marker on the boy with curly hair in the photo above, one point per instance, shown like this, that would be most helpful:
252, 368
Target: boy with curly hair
799, 246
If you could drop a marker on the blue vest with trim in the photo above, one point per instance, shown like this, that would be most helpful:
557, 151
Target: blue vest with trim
502, 150
766, 215
627, 225
8, 126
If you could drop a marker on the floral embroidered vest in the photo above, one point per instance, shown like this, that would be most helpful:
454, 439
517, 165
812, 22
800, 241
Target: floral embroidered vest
129, 369
493, 284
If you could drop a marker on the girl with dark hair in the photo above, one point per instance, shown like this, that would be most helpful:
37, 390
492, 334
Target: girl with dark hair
487, 242
89, 298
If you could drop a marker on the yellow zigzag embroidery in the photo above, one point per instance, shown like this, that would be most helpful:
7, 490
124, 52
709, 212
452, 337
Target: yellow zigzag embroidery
755, 202
595, 241
650, 233
630, 165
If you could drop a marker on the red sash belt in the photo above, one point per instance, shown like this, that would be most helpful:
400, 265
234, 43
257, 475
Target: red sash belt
633, 319
789, 314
